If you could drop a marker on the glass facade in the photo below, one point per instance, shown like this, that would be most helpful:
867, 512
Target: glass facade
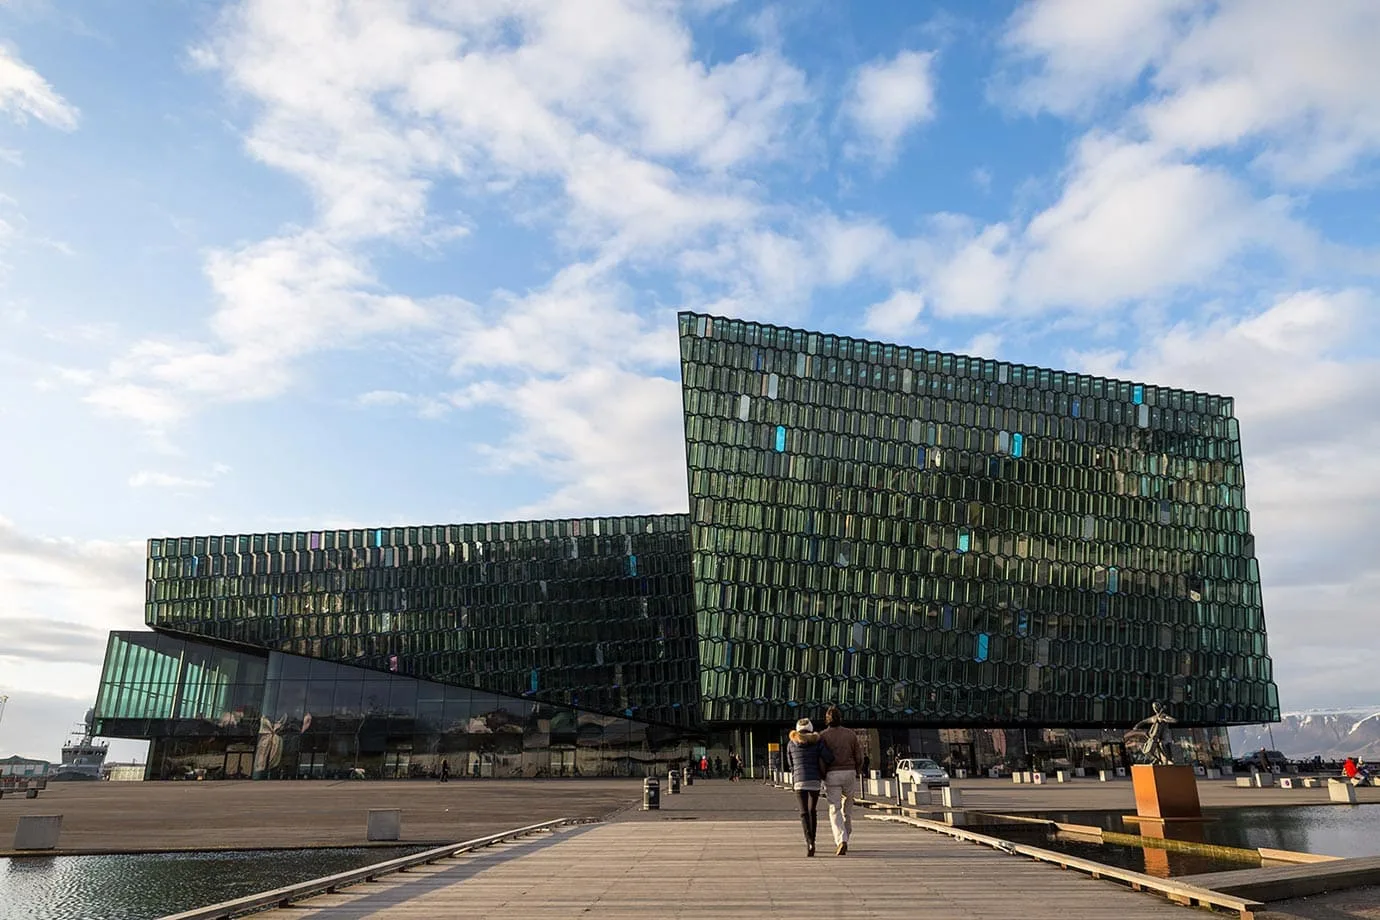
592, 613
935, 542
933, 538
219, 713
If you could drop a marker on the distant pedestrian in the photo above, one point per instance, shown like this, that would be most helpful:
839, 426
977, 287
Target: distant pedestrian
841, 781
704, 765
445, 771
735, 767
1350, 770
807, 758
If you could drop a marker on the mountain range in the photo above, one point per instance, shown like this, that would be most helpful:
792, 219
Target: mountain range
1332, 735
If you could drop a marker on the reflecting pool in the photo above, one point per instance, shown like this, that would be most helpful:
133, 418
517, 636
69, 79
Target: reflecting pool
1332, 830
143, 887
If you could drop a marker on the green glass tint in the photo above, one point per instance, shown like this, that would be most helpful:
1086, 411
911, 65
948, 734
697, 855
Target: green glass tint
593, 612
864, 516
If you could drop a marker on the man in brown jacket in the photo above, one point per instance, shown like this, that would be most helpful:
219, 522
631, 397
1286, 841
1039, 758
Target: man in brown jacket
841, 782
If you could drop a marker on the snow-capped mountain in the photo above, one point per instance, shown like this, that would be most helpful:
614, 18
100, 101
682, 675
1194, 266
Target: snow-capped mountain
1299, 735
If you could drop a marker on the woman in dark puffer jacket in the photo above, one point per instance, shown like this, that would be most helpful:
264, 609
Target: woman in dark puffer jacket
807, 759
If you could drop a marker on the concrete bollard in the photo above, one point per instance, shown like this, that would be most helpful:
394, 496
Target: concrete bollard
951, 797
1341, 791
1243, 782
37, 832
1214, 773
1263, 780
1018, 777
1105, 776
1038, 778
1080, 772
385, 824
1286, 782
1061, 776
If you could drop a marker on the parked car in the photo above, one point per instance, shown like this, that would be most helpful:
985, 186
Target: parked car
922, 771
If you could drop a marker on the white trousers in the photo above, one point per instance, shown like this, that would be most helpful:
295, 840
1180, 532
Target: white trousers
840, 788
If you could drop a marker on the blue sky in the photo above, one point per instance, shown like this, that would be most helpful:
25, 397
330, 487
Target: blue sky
273, 265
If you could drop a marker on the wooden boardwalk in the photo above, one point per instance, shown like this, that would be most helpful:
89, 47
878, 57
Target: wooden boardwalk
689, 862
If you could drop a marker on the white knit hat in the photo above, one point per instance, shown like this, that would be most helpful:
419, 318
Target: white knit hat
804, 725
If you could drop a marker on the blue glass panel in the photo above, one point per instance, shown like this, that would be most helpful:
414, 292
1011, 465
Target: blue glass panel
378, 538
1113, 580
1022, 623
1017, 445
632, 565
1137, 394
1102, 606
533, 685
1076, 407
780, 438
964, 541
982, 643
919, 456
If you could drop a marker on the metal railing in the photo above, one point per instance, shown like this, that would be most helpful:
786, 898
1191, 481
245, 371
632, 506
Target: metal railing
282, 897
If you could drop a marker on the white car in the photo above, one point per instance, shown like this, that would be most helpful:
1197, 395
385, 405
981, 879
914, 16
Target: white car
921, 771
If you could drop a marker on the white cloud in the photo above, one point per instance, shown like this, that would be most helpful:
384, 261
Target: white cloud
891, 97
1293, 79
25, 94
610, 441
1132, 224
61, 596
895, 316
278, 300
1077, 52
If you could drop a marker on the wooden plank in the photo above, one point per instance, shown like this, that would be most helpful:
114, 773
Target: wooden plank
651, 867
1175, 890
1278, 883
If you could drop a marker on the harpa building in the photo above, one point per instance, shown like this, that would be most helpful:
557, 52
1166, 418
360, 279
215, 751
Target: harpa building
979, 561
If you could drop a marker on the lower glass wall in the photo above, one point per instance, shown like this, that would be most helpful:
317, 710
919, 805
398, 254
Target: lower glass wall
312, 719
216, 713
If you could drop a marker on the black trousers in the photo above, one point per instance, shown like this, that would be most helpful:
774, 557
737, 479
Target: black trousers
809, 818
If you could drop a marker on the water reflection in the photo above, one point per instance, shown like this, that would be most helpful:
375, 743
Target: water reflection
1332, 830
149, 886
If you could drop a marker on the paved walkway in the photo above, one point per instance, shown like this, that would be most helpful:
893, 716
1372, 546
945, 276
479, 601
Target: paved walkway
734, 851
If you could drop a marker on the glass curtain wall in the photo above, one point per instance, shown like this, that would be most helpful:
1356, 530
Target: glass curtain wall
933, 538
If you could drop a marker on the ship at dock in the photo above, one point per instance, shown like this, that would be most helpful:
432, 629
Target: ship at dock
82, 757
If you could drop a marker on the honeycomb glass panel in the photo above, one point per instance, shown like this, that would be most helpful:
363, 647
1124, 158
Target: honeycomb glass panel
1075, 529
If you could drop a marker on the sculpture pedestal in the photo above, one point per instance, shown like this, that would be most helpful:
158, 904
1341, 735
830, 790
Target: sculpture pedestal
1166, 793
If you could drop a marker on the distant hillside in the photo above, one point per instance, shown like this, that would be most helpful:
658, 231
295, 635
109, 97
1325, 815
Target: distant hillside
1301, 735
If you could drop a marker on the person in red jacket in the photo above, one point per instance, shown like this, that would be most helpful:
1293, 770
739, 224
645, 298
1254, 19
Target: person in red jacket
1349, 769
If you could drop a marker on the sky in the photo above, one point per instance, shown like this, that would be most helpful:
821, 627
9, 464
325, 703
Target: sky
270, 266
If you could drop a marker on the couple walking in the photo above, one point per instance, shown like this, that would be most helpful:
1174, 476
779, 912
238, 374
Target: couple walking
827, 761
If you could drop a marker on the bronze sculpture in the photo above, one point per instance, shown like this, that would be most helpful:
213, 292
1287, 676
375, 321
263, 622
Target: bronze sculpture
1155, 750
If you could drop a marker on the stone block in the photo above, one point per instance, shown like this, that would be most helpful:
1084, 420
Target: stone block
1214, 773
37, 832
1263, 780
1037, 778
1080, 772
1341, 791
1105, 776
1018, 777
385, 824
1286, 782
1061, 776
951, 797
1165, 791
1310, 782
1244, 782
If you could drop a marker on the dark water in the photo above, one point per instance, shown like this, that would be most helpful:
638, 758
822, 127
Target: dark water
1332, 830
149, 886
